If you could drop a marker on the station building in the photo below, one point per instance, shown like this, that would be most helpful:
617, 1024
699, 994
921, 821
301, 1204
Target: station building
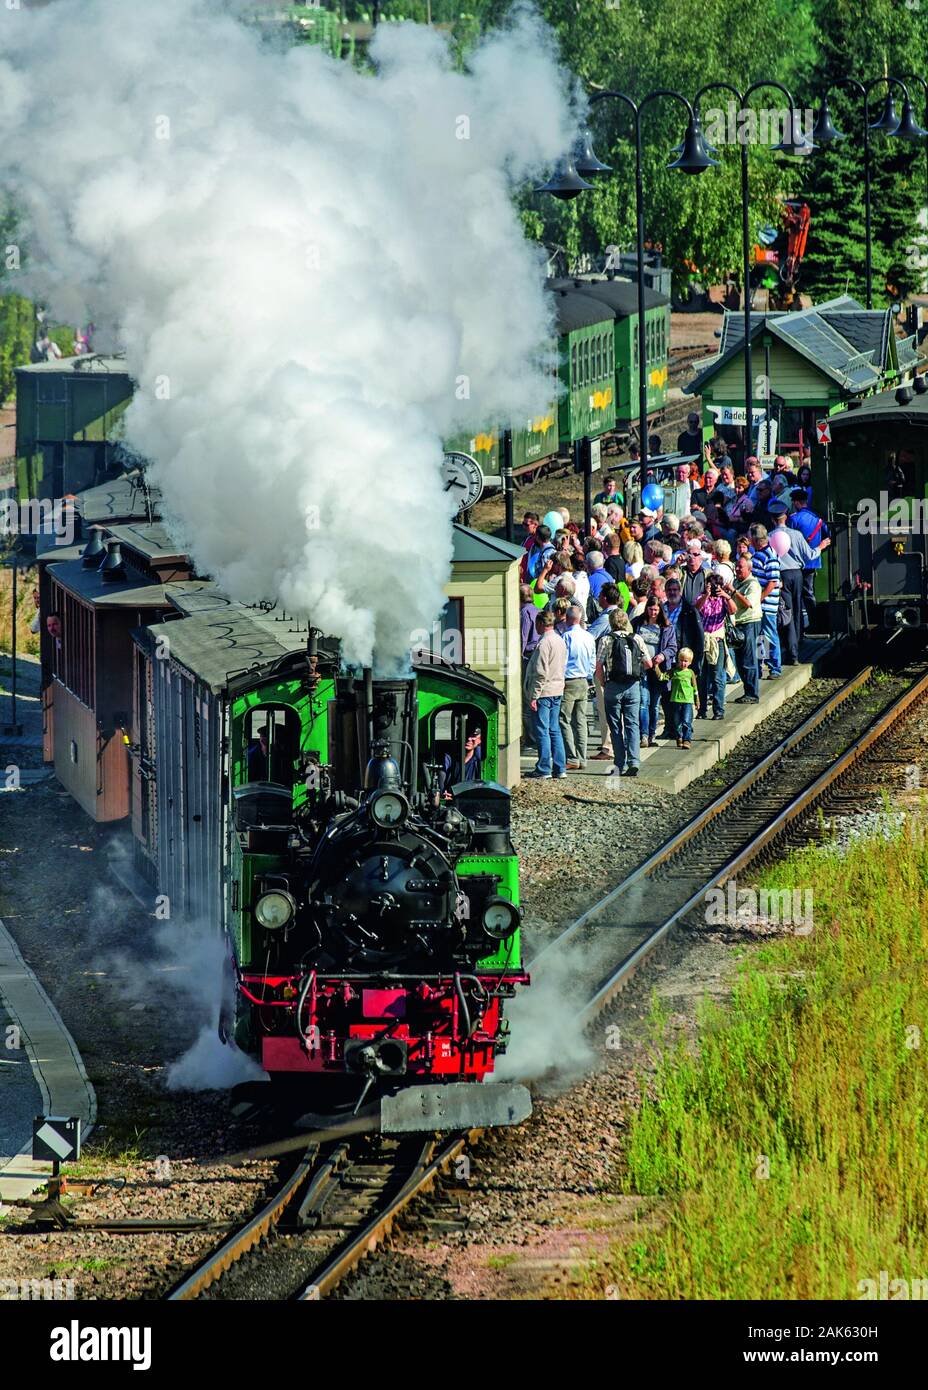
815, 361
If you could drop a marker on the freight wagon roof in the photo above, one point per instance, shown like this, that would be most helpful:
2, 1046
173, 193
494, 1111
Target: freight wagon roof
120, 499
151, 540
224, 641
620, 295
89, 364
89, 585
220, 639
883, 410
578, 310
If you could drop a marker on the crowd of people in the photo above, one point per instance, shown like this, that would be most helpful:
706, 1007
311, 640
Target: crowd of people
652, 616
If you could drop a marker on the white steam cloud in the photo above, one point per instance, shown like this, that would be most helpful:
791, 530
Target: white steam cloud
316, 274
548, 1037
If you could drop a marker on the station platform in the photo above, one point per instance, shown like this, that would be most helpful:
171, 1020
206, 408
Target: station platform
671, 768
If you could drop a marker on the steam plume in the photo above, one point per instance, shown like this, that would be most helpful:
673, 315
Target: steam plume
316, 274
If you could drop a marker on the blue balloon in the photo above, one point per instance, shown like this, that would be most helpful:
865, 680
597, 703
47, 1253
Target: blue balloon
554, 521
652, 497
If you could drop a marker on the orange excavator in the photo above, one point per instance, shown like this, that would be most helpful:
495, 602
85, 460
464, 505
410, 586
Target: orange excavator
778, 257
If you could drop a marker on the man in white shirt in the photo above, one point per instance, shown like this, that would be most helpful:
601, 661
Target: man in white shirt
578, 679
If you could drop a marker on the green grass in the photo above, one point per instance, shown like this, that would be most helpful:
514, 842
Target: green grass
27, 642
789, 1151
116, 1149
501, 1261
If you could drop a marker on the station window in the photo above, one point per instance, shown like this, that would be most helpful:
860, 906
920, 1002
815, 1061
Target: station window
446, 637
271, 745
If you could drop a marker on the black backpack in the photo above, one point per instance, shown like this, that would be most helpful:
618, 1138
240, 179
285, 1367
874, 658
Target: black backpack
625, 661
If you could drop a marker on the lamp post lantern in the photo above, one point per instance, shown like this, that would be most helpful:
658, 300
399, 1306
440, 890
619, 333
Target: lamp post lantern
569, 180
889, 123
792, 143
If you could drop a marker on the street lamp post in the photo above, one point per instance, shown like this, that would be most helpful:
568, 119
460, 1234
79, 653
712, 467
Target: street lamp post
915, 77
568, 181
792, 143
902, 128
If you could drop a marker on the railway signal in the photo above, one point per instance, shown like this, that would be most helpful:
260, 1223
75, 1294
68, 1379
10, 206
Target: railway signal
56, 1139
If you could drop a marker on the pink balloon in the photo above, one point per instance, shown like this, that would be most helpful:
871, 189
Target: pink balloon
779, 541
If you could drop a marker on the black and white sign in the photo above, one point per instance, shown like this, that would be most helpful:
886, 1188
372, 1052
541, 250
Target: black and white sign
56, 1138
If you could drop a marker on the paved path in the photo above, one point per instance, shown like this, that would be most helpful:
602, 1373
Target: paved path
671, 768
60, 1083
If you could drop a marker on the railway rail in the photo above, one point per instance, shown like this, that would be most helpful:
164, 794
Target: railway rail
351, 1192
339, 1202
607, 943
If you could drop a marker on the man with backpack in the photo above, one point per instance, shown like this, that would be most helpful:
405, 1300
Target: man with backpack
543, 690
621, 656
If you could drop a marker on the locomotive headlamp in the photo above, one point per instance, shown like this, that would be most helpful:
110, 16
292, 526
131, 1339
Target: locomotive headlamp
388, 809
500, 918
275, 909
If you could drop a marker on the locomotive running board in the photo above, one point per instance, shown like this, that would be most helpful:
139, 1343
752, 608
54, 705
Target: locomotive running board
454, 1107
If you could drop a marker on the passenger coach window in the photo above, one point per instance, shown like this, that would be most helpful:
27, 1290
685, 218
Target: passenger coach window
573, 367
272, 744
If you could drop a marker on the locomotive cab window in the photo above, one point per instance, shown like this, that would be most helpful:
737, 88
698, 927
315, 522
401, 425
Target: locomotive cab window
458, 744
272, 745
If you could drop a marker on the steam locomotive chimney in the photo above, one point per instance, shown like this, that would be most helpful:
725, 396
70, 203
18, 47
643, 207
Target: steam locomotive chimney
375, 719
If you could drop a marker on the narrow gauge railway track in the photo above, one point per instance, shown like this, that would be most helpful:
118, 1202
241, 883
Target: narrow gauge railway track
335, 1207
601, 949
351, 1192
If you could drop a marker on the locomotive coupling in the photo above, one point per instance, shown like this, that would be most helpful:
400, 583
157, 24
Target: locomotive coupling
376, 1056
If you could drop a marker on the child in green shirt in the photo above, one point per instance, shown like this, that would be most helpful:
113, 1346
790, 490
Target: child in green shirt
683, 696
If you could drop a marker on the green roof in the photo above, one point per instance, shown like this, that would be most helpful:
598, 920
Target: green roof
474, 547
839, 338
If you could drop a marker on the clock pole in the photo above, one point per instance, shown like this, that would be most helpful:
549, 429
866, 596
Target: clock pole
507, 483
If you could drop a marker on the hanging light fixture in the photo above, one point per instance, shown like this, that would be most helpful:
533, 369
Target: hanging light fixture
694, 158
565, 183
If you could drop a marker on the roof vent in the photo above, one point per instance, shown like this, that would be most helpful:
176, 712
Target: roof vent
90, 555
904, 395
112, 568
920, 385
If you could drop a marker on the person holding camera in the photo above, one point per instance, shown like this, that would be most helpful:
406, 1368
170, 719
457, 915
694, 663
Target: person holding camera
714, 605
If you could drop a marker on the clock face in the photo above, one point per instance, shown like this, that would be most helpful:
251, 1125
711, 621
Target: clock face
463, 479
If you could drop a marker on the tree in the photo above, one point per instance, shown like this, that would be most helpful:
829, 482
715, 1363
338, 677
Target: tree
640, 45
888, 38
